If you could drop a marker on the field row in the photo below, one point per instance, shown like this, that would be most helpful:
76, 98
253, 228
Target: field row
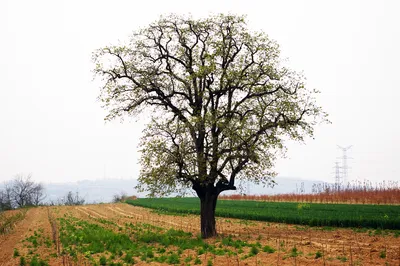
311, 214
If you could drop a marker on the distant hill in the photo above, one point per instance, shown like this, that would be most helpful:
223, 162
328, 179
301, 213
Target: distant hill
93, 191
102, 190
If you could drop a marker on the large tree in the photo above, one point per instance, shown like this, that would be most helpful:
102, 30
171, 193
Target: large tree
220, 100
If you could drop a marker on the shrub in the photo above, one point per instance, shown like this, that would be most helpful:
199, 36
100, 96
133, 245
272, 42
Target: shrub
268, 249
318, 254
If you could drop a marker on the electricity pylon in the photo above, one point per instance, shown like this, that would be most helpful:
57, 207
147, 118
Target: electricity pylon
344, 166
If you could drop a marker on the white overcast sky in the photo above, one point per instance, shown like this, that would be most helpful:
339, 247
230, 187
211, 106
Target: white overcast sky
52, 126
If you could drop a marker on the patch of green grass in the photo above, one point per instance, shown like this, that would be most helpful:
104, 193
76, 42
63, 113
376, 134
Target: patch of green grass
162, 258
48, 242
161, 250
254, 251
36, 261
268, 249
188, 259
22, 261
173, 259
238, 243
246, 222
342, 258
15, 253
197, 261
301, 228
103, 260
200, 251
33, 239
129, 258
318, 254
382, 254
294, 252
360, 230
141, 241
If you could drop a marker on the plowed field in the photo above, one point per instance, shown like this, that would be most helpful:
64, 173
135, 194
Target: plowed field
121, 234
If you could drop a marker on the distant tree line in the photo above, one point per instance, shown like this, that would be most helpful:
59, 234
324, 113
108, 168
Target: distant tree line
21, 192
70, 199
121, 197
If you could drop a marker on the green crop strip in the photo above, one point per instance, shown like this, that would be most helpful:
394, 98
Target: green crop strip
139, 241
33, 242
311, 214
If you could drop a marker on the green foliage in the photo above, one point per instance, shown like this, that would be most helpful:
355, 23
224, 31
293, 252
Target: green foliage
219, 86
48, 242
141, 241
254, 250
197, 261
200, 251
268, 249
294, 252
36, 261
22, 261
188, 259
37, 239
16, 253
129, 258
326, 215
103, 260
382, 254
173, 259
318, 254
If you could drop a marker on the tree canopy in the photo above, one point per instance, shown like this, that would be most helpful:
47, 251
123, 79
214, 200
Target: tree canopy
222, 103
21, 192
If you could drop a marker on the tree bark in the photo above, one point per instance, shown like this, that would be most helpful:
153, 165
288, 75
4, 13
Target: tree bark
207, 214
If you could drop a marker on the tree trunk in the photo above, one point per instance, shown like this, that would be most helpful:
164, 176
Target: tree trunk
207, 212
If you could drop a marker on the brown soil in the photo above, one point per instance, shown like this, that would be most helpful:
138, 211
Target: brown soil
336, 245
35, 219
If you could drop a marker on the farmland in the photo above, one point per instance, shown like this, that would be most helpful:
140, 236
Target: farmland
311, 214
122, 234
356, 192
